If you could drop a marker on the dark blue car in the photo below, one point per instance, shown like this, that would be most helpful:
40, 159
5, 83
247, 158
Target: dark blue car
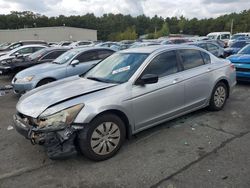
236, 47
241, 61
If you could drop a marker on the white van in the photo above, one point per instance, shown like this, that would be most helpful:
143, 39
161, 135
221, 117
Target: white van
237, 36
224, 36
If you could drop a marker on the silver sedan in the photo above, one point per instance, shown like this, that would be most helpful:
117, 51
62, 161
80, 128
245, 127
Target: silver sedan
130, 91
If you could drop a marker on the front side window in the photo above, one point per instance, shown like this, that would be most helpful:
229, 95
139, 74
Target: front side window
206, 57
117, 68
87, 56
163, 65
191, 58
25, 50
64, 58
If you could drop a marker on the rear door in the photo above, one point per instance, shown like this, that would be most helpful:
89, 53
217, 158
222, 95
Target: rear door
197, 77
154, 103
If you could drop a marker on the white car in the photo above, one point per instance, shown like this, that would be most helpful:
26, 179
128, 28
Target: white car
20, 52
224, 36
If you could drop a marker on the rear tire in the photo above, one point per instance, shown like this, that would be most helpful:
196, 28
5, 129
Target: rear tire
219, 97
45, 81
102, 138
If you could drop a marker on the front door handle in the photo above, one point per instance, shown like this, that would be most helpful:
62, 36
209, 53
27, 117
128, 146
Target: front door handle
209, 69
176, 80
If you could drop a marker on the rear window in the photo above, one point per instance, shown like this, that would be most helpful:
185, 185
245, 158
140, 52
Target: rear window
191, 58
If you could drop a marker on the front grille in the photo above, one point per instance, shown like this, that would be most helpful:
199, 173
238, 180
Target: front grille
242, 70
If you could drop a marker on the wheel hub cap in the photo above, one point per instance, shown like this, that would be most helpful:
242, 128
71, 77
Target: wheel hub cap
105, 138
219, 96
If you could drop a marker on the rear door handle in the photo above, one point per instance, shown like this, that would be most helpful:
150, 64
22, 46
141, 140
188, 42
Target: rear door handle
176, 80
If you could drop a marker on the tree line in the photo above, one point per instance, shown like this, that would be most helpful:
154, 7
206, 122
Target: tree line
119, 27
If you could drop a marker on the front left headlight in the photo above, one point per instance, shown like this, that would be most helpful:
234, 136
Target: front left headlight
59, 120
25, 79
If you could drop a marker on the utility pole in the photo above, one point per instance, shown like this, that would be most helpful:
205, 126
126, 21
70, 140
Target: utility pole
232, 25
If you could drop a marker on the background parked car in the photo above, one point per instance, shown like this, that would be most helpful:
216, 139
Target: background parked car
236, 47
224, 36
209, 46
241, 61
238, 36
175, 41
42, 56
22, 43
20, 52
73, 62
64, 43
143, 44
82, 44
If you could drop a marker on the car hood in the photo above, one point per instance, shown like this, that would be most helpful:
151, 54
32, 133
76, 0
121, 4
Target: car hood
240, 58
36, 101
38, 69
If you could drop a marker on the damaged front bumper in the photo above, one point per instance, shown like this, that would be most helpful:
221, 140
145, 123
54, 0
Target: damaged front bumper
59, 144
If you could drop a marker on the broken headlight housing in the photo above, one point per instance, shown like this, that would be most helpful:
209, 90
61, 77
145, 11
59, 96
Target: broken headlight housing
59, 120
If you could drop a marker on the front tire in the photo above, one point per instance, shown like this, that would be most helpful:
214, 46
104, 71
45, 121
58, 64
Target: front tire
219, 97
102, 138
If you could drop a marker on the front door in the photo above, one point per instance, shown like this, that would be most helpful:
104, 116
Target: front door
154, 103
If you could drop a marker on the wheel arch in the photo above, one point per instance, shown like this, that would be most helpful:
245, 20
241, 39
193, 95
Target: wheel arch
225, 81
121, 115
46, 78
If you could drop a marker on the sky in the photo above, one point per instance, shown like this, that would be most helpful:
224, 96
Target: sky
164, 8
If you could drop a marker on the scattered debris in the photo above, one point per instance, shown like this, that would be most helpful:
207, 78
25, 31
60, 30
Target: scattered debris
209, 170
209, 142
2, 93
224, 178
200, 148
10, 127
185, 143
193, 129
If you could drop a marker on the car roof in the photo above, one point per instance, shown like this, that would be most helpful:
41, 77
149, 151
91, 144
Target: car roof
83, 49
158, 48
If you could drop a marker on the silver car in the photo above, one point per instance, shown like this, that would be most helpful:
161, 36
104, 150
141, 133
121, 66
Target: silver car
73, 62
130, 91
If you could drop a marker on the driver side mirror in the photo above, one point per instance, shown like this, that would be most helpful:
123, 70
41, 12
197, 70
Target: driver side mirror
147, 79
75, 62
18, 55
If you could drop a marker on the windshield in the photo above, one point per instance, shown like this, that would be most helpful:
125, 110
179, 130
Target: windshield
37, 54
64, 58
237, 36
118, 68
245, 50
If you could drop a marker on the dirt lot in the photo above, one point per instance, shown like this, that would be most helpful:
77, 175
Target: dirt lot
202, 149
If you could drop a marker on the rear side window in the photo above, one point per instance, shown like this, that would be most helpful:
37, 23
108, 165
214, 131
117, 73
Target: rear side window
102, 54
88, 56
212, 47
53, 55
191, 58
206, 58
163, 65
